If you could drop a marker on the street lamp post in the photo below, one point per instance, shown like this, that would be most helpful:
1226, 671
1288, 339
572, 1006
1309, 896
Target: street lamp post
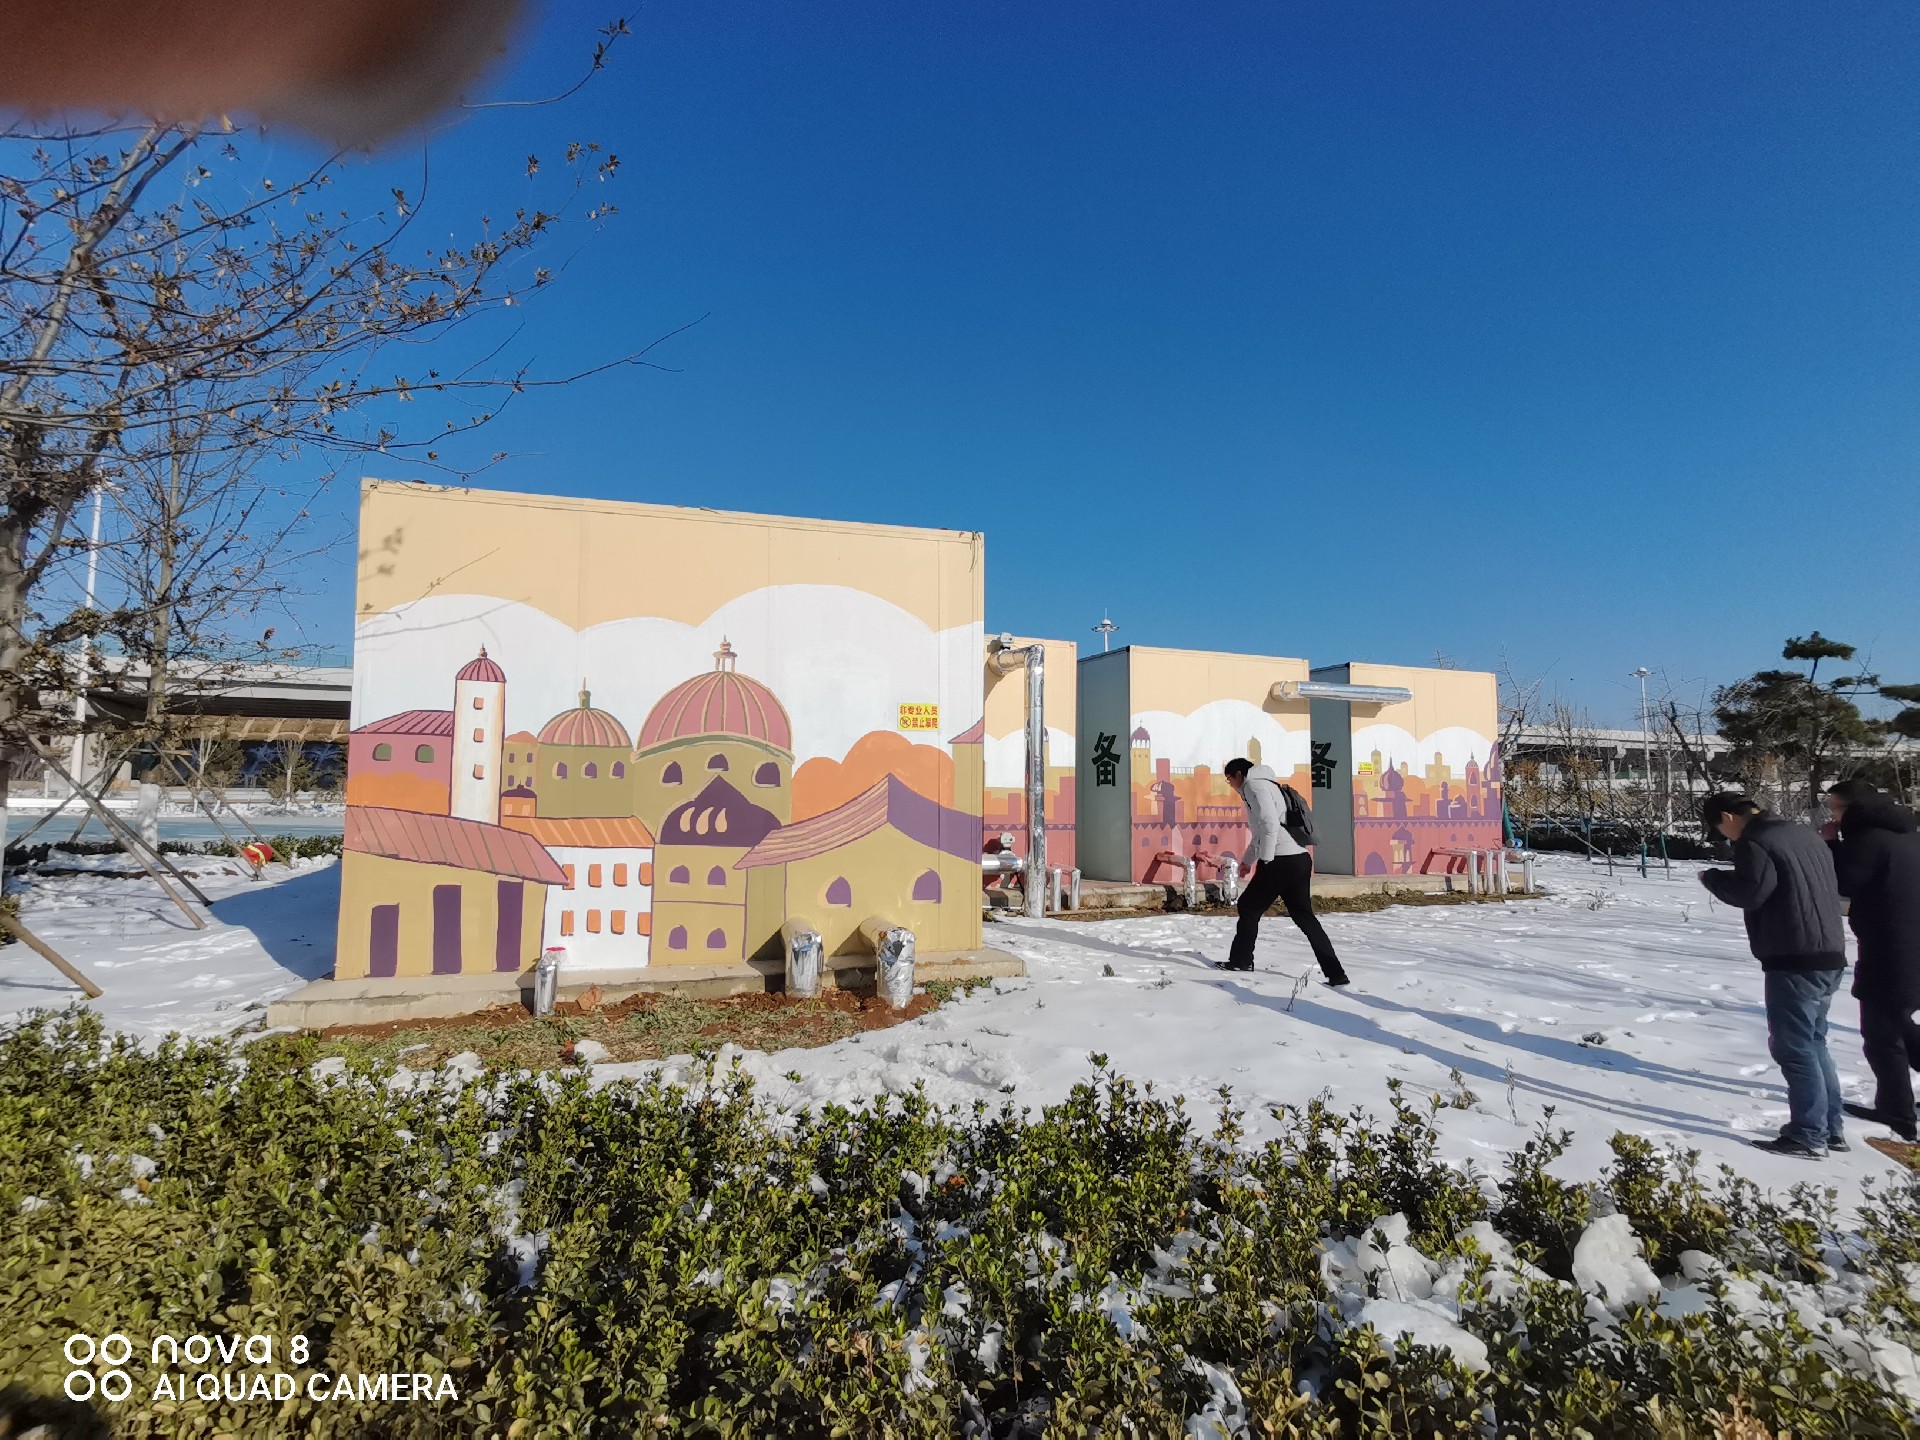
1105, 630
1646, 745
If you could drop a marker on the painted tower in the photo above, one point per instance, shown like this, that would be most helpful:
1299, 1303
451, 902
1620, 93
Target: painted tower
479, 737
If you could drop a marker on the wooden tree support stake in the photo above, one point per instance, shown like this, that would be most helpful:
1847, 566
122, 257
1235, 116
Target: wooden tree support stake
47, 953
137, 847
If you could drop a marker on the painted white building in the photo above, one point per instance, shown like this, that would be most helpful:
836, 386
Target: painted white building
603, 915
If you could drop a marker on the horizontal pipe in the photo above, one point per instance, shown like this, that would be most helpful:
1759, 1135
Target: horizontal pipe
1327, 690
1005, 863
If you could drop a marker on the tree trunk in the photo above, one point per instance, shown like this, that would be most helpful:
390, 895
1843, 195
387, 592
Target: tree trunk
13, 615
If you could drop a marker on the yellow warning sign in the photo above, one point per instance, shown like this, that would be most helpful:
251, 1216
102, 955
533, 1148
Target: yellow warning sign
919, 717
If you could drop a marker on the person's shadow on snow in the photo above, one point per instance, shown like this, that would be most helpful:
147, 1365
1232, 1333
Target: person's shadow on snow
1366, 1028
294, 921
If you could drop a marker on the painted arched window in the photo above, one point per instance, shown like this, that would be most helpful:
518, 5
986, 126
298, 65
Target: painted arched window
671, 775
619, 770
383, 752
680, 876
927, 887
424, 755
717, 876
717, 762
716, 940
677, 940
559, 769
840, 893
592, 772
767, 776
479, 772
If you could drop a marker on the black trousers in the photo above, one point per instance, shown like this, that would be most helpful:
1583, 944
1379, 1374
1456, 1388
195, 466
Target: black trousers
1891, 1042
1290, 881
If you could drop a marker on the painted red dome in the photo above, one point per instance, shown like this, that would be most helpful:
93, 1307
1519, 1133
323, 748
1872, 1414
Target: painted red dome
585, 725
483, 670
720, 702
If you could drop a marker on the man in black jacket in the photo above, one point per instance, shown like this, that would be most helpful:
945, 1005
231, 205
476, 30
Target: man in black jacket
1782, 878
1876, 857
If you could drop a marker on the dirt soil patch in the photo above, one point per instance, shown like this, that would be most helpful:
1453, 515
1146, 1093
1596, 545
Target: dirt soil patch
641, 1027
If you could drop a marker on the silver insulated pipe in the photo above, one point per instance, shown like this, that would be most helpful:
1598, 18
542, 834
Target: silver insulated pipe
1286, 690
1005, 657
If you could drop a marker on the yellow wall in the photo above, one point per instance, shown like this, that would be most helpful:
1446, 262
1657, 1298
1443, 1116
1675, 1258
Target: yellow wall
1441, 699
370, 880
881, 869
589, 561
1183, 680
1006, 699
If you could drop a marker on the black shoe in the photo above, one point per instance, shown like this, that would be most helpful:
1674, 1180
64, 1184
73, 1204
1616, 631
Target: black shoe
1837, 1145
1781, 1145
1233, 965
1338, 978
1905, 1129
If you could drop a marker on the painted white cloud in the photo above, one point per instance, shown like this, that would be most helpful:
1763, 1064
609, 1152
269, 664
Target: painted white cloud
1218, 731
841, 661
1006, 756
1455, 745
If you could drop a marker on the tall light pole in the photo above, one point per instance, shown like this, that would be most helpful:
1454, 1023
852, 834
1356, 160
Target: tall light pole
80, 695
1105, 630
1646, 742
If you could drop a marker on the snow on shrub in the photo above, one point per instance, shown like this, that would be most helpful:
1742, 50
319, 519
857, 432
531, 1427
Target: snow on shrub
660, 1258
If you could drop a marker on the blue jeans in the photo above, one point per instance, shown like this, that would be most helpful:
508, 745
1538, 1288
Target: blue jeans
1797, 1005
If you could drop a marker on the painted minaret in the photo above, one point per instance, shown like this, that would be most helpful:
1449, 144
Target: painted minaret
479, 733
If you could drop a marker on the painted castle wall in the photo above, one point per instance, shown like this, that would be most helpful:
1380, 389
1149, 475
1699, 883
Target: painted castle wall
733, 696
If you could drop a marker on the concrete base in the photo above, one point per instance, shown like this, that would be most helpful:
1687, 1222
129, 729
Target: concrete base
326, 1003
1109, 895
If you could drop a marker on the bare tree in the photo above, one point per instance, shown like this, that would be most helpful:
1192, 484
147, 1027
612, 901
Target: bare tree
171, 315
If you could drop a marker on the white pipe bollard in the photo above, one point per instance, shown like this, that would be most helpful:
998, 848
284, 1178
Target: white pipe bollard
1473, 872
805, 953
546, 979
1230, 878
1192, 867
893, 967
1526, 871
1056, 878
1073, 889
1502, 885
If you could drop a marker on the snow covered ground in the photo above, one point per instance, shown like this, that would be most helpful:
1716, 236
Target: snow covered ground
1622, 1003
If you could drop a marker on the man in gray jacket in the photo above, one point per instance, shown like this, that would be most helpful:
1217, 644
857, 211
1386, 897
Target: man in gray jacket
1783, 880
1284, 872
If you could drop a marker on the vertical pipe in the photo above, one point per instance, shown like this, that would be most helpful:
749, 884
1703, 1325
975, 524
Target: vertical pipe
1526, 872
1230, 878
1501, 886
1036, 778
1473, 872
1055, 880
1192, 867
1073, 891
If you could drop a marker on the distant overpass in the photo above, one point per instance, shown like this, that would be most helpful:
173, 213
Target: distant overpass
242, 701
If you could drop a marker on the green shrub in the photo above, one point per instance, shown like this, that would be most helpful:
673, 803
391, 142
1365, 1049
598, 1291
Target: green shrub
641, 1258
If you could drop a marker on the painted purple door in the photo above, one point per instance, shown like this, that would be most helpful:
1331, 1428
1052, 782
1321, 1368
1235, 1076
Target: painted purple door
384, 943
506, 944
446, 929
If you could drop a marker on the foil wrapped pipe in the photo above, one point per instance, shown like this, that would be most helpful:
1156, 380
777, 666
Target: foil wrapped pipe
1073, 889
1005, 657
893, 969
1230, 878
1192, 867
546, 979
805, 958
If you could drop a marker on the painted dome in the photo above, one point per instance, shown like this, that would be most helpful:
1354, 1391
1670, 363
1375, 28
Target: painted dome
1140, 736
483, 670
720, 702
720, 816
585, 725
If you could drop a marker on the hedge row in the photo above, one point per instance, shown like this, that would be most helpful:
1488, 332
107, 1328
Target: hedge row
638, 1258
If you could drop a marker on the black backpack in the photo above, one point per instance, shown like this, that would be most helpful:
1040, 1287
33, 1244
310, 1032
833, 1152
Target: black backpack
1299, 818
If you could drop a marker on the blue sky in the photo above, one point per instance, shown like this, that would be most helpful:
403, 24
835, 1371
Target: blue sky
1582, 335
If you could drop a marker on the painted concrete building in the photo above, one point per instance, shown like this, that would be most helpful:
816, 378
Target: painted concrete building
865, 646
1004, 749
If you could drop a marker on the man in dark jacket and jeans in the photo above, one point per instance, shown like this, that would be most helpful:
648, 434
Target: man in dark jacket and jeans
1782, 878
1876, 857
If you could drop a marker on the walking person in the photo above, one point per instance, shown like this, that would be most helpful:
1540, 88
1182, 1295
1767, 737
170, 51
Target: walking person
1278, 866
1876, 858
1782, 878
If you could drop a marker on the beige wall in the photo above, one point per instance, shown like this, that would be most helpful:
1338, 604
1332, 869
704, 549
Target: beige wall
370, 880
881, 869
1007, 694
1442, 699
1183, 680
589, 561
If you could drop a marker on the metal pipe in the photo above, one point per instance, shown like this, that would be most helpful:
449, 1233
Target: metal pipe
546, 979
893, 967
1073, 888
1192, 867
805, 956
1006, 657
1473, 872
1005, 863
1054, 878
1327, 690
1230, 878
1500, 873
1526, 871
